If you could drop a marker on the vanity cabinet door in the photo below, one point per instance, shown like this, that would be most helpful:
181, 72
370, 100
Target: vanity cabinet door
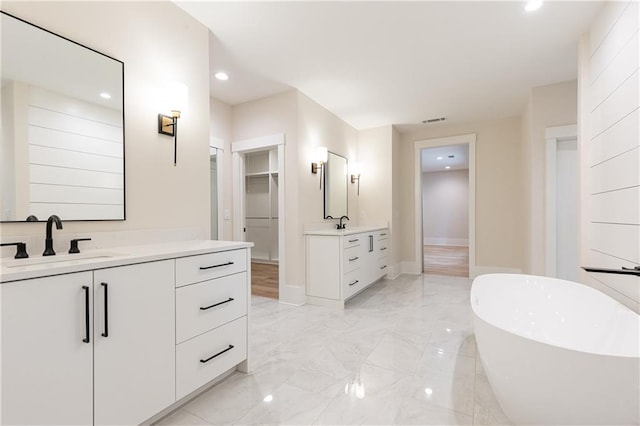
135, 342
47, 350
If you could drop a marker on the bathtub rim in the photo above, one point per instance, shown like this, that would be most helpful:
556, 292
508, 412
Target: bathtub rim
627, 355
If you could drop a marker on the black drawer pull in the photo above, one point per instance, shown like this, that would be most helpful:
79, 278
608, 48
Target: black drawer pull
86, 314
354, 241
383, 235
383, 248
106, 309
218, 354
354, 283
217, 304
216, 266
354, 258
383, 267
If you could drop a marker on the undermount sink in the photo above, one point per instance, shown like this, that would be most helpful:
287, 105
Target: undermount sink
43, 260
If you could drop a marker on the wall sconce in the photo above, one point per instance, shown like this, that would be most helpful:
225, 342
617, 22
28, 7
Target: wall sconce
177, 95
355, 174
321, 155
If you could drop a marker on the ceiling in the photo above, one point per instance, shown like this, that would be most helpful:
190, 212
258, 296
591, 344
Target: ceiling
455, 157
381, 63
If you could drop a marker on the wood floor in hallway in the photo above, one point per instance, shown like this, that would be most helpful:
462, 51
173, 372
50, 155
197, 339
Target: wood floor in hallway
264, 280
446, 260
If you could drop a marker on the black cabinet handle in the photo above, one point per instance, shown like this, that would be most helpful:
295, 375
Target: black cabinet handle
106, 309
216, 266
86, 313
370, 243
217, 304
216, 355
383, 234
354, 283
354, 241
383, 267
354, 258
382, 248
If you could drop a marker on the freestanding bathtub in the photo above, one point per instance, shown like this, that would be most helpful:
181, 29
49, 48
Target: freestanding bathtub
557, 352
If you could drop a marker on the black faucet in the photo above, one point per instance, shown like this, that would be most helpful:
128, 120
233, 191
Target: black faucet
342, 225
48, 242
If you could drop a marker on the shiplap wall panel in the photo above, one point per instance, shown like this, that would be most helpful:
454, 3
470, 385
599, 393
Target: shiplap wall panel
69, 211
616, 140
617, 240
74, 195
623, 66
73, 160
611, 138
627, 210
620, 103
617, 173
76, 152
610, 42
75, 177
72, 142
53, 120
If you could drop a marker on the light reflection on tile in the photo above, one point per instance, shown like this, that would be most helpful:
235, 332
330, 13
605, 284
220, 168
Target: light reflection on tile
401, 352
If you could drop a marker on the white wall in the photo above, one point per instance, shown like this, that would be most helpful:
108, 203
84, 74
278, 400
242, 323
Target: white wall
500, 238
445, 208
548, 106
158, 43
609, 140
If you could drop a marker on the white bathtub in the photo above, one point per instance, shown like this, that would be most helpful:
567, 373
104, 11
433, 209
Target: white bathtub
557, 352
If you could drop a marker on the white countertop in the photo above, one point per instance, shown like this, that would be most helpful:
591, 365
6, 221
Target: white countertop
348, 231
90, 259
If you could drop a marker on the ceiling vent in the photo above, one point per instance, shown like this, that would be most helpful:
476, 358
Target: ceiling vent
433, 120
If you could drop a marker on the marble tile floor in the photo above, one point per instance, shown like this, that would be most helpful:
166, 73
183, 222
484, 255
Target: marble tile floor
401, 352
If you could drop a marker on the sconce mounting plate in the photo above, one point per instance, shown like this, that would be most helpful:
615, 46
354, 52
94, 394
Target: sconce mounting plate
166, 125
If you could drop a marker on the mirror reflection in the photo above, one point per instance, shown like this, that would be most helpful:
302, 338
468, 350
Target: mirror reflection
335, 186
62, 146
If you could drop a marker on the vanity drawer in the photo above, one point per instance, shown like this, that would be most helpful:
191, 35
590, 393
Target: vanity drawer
382, 266
351, 258
203, 306
204, 267
353, 240
383, 235
352, 283
203, 358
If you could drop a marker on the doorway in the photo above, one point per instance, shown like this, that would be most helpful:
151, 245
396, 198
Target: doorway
443, 244
562, 221
246, 177
445, 210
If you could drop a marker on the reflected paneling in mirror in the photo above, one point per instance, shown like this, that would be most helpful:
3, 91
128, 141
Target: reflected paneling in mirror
335, 186
62, 146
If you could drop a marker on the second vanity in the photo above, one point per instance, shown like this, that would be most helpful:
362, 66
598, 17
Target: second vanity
118, 337
342, 263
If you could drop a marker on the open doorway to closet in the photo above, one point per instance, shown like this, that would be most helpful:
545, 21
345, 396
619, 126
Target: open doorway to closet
261, 220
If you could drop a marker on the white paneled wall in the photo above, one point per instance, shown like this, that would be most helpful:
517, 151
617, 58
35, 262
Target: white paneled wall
75, 158
610, 127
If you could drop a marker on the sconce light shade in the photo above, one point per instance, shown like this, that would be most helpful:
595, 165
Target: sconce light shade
355, 171
322, 154
176, 99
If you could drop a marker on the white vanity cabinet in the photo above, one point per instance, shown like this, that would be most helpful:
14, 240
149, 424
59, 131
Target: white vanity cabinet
118, 341
341, 264
105, 337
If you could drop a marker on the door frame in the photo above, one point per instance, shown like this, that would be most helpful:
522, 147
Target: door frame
238, 151
466, 139
552, 136
216, 146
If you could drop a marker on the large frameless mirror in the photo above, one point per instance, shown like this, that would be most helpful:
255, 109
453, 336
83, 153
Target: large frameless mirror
335, 186
62, 146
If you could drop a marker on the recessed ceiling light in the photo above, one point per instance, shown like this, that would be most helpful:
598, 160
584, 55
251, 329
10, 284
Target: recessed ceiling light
105, 95
221, 76
533, 5
438, 158
447, 167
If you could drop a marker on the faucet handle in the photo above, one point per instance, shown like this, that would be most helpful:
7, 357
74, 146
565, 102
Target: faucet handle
74, 245
21, 252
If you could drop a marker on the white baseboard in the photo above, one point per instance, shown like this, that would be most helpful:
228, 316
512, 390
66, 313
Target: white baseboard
413, 268
394, 271
475, 271
293, 295
442, 241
